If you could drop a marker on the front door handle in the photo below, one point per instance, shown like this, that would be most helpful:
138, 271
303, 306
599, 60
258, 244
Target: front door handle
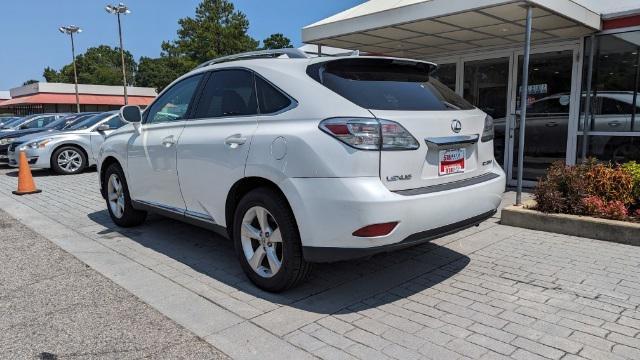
551, 124
235, 140
169, 141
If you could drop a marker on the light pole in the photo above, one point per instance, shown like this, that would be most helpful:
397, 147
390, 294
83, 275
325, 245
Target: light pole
120, 9
70, 30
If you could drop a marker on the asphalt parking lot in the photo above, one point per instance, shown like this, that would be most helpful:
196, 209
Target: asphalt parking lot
489, 292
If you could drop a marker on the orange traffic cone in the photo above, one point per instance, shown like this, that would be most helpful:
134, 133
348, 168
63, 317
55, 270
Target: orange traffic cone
25, 180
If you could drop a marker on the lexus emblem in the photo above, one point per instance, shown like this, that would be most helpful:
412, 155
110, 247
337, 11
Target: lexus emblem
456, 126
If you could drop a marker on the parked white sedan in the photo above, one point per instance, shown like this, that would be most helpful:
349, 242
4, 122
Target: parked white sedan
67, 152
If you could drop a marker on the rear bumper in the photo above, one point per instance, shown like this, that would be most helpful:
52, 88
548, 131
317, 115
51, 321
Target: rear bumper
326, 254
329, 210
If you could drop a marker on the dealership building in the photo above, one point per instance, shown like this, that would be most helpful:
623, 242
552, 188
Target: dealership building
584, 69
57, 97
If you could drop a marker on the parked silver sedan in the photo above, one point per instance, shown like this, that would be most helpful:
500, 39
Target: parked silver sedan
68, 152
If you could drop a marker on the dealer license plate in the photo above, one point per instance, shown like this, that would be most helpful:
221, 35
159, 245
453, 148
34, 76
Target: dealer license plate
452, 161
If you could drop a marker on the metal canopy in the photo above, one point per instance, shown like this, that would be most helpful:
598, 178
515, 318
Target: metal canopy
420, 29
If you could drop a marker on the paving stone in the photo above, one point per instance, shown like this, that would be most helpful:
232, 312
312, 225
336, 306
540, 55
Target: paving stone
435, 336
466, 348
334, 339
367, 338
491, 344
331, 353
335, 325
537, 348
492, 332
588, 339
561, 343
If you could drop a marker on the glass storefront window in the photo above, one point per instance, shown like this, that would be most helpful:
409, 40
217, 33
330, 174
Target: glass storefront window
486, 84
617, 149
614, 104
446, 74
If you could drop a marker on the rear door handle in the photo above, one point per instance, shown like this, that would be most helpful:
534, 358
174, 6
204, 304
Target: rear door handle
235, 140
551, 124
169, 141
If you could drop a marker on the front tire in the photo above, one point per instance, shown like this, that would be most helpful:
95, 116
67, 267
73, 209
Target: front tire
118, 200
267, 241
68, 160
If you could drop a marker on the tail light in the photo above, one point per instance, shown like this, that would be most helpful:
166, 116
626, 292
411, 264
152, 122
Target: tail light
370, 134
487, 131
376, 230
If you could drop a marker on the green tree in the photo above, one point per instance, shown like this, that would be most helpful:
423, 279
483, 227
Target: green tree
28, 82
98, 65
216, 30
160, 72
276, 41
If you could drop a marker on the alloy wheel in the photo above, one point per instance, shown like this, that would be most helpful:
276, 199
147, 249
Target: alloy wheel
115, 193
261, 241
70, 160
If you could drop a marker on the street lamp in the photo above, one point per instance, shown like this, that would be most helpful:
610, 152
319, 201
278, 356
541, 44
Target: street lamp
70, 30
120, 9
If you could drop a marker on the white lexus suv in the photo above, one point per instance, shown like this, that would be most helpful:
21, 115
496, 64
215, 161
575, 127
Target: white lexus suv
302, 160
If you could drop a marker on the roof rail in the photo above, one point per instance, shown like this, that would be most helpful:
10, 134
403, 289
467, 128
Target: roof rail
291, 53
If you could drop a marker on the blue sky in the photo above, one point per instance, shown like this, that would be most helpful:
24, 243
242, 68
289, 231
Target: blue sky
31, 41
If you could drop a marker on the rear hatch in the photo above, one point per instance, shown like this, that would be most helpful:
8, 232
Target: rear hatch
454, 138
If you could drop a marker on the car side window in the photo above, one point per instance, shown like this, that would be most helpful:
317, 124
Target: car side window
115, 122
270, 99
615, 107
228, 93
173, 104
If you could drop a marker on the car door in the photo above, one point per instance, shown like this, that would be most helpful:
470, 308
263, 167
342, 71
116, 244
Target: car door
214, 145
151, 155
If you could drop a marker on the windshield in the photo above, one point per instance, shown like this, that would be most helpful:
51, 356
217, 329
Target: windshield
6, 122
9, 123
387, 84
87, 123
68, 121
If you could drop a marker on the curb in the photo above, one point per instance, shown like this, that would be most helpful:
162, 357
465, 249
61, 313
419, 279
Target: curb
583, 226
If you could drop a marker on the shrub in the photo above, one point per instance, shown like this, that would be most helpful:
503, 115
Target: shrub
596, 206
591, 188
633, 168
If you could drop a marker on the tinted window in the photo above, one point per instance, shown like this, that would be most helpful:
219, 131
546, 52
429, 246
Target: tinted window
270, 99
615, 107
549, 106
387, 84
228, 93
39, 122
87, 123
173, 104
115, 122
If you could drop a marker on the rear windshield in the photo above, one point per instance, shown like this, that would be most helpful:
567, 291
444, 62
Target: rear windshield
387, 84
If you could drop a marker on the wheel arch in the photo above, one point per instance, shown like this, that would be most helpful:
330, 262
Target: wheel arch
240, 189
72, 144
108, 161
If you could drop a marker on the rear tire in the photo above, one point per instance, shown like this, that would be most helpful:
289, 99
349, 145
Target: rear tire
118, 200
266, 238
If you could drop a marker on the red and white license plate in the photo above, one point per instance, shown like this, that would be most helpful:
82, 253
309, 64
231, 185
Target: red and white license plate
451, 161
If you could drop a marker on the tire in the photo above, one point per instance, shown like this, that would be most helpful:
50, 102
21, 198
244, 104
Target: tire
281, 225
118, 201
68, 160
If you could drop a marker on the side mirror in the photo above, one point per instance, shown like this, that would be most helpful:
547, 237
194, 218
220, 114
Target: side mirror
131, 113
103, 128
23, 127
